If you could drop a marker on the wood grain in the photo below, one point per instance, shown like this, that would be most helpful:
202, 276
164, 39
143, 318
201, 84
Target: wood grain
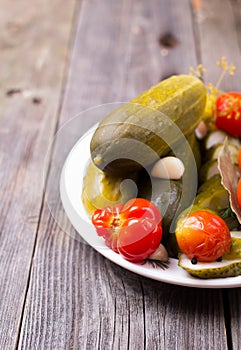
218, 36
233, 297
77, 299
29, 95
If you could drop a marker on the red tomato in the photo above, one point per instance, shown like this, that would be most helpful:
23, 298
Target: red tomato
239, 193
107, 224
203, 235
134, 230
228, 113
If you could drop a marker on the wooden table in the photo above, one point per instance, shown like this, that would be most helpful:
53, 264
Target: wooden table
59, 58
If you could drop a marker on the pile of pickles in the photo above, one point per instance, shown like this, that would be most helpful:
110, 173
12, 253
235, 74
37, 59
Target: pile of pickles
110, 180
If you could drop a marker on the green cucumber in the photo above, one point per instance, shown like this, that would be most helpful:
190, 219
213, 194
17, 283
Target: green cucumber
214, 152
229, 266
136, 134
213, 196
101, 189
208, 170
166, 195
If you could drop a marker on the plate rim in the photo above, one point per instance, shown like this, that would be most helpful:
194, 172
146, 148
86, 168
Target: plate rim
69, 204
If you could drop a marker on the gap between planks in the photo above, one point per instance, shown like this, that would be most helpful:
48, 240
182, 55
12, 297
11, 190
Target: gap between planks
74, 20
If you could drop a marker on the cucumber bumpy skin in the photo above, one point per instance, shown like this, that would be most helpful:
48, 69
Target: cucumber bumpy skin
135, 133
224, 268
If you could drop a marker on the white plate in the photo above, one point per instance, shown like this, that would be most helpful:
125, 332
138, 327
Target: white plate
70, 191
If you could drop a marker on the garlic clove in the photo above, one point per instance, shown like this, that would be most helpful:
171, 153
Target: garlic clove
201, 130
171, 168
159, 254
214, 138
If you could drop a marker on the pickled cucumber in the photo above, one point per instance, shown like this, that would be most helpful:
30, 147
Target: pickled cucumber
229, 266
213, 196
214, 152
166, 195
137, 134
208, 170
100, 189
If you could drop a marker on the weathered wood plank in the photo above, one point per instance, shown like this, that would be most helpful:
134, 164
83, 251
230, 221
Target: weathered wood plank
139, 59
234, 300
219, 29
218, 37
33, 56
234, 296
78, 299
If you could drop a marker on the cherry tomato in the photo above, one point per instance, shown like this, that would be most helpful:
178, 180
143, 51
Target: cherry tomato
239, 193
228, 113
203, 235
134, 230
